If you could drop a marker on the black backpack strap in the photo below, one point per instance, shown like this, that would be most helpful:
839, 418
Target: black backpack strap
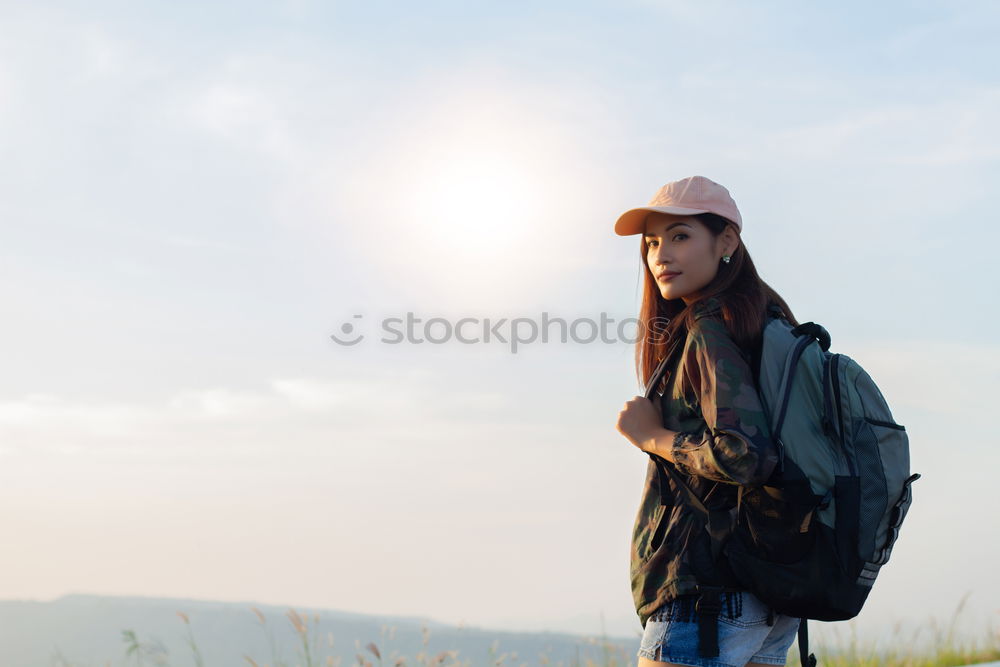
707, 607
805, 657
654, 379
828, 416
651, 394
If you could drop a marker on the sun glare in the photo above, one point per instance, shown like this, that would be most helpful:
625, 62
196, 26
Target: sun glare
472, 197
485, 205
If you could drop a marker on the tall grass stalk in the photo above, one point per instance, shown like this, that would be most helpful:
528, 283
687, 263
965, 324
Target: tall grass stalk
191, 642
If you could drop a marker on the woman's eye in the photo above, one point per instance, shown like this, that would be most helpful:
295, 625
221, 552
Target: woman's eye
652, 243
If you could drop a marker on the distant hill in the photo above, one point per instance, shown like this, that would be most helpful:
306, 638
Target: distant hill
87, 631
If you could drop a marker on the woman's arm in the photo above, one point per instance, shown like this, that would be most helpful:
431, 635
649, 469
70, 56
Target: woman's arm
733, 443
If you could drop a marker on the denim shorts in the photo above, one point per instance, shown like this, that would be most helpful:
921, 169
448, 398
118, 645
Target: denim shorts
671, 633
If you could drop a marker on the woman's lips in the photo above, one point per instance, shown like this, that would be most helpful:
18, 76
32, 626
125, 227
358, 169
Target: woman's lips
667, 276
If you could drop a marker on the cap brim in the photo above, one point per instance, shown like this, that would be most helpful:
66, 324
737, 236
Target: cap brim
633, 221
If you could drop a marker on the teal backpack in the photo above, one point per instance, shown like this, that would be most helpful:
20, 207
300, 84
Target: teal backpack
811, 541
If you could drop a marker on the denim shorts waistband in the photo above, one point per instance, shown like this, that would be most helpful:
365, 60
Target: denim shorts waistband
682, 608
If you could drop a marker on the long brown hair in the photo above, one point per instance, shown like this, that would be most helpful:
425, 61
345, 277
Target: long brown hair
743, 297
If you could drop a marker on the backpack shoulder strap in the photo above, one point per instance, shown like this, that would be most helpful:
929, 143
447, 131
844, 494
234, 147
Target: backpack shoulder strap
773, 311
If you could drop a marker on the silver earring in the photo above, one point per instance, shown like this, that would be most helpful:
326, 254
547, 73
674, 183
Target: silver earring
725, 258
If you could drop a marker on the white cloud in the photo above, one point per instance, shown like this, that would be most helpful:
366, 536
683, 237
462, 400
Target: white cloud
218, 402
102, 55
49, 412
310, 394
248, 115
410, 401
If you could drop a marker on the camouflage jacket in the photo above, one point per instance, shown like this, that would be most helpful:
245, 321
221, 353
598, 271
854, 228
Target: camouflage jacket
723, 441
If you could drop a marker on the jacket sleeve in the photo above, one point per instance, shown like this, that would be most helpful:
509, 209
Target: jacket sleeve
733, 443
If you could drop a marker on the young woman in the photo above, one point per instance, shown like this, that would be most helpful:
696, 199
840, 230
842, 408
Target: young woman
709, 423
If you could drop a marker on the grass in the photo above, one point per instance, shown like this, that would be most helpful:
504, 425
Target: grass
947, 650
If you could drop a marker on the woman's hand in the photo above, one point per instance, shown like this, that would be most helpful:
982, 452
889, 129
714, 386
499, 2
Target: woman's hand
640, 421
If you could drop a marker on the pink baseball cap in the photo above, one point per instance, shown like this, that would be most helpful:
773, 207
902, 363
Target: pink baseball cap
688, 196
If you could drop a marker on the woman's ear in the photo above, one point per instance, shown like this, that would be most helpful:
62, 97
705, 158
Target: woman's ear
730, 240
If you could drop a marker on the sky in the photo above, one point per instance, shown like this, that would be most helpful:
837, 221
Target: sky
195, 197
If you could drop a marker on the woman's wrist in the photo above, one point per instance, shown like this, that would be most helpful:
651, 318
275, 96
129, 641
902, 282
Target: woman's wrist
660, 442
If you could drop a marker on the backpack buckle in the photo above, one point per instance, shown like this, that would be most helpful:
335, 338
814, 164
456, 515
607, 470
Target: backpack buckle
709, 600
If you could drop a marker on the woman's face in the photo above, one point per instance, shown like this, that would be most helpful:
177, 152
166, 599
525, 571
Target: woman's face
683, 246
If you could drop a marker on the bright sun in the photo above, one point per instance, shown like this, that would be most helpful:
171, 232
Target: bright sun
484, 203
471, 199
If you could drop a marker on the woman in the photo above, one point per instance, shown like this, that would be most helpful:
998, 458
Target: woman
709, 423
